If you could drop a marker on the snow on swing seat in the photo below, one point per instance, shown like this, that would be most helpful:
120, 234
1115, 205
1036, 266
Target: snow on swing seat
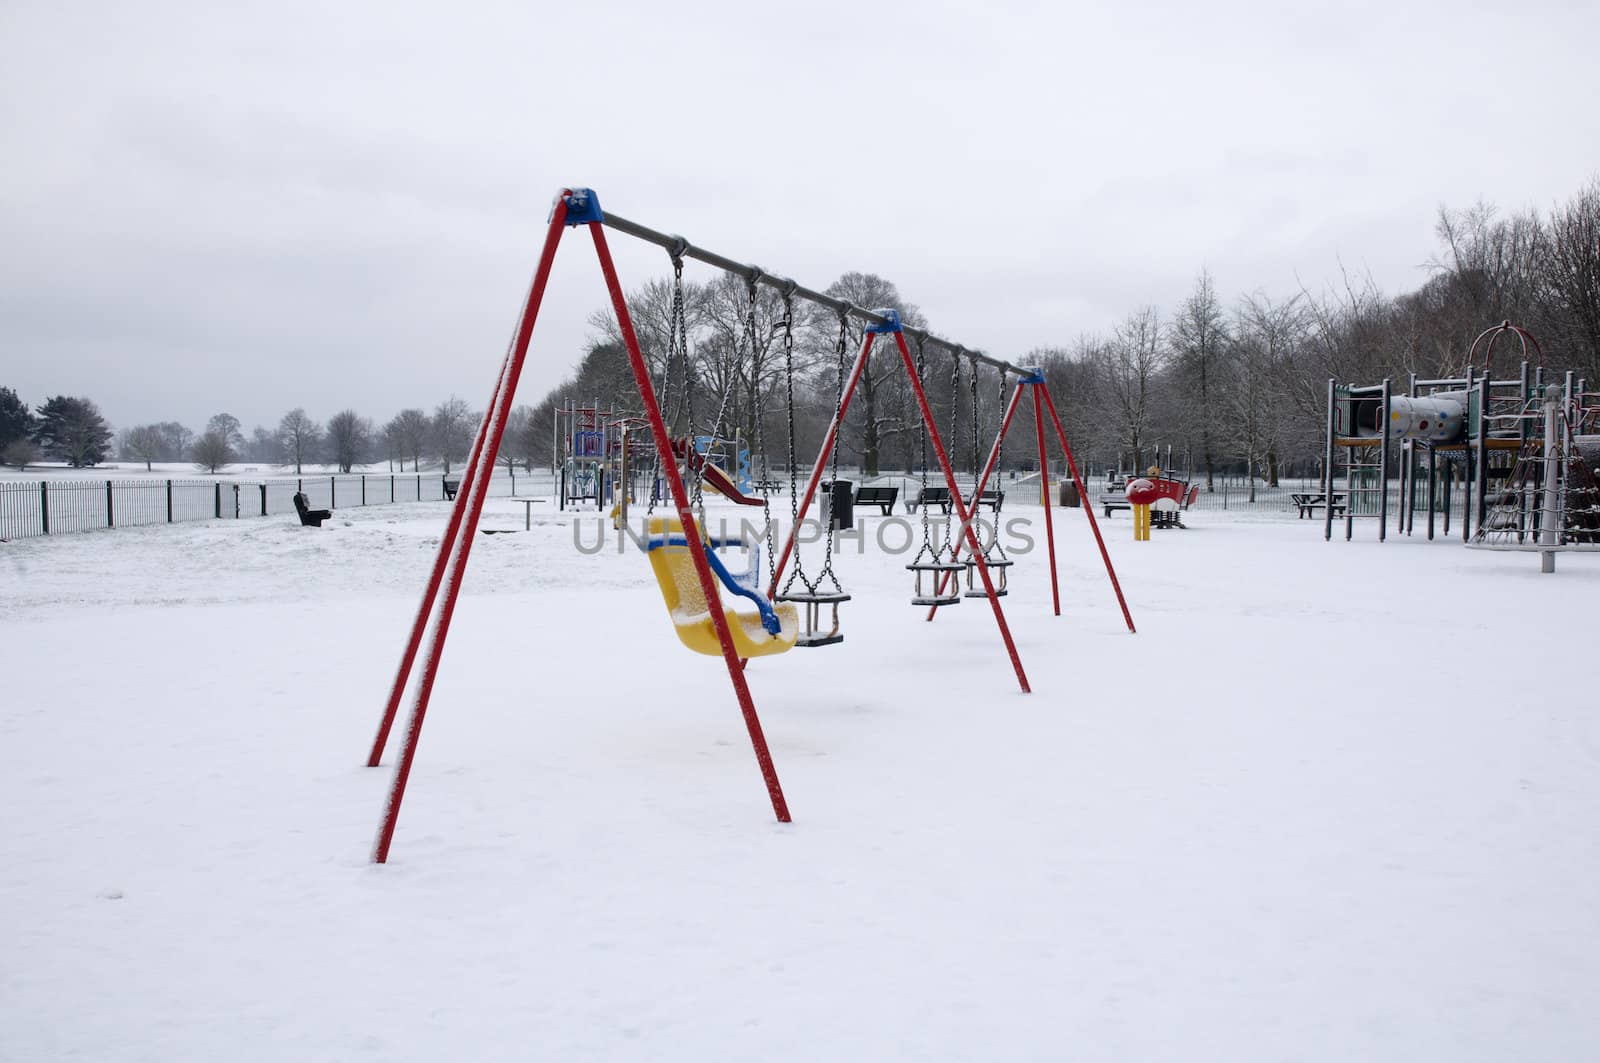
673, 565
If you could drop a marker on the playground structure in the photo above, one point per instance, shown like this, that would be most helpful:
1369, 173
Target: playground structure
1488, 437
1550, 502
680, 551
606, 458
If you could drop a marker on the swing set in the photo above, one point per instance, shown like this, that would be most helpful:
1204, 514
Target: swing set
682, 554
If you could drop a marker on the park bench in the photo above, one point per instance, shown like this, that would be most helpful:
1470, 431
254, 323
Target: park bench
940, 496
450, 488
1307, 504
991, 497
882, 497
310, 518
930, 496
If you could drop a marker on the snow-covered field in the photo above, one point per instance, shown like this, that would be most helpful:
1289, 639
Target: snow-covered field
1333, 802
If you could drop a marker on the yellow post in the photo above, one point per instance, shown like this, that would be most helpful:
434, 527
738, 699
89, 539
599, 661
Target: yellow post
1140, 493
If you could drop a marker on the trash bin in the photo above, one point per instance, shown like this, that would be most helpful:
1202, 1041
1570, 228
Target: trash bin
1069, 494
839, 504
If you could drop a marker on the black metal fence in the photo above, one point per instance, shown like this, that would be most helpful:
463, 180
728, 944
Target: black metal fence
30, 508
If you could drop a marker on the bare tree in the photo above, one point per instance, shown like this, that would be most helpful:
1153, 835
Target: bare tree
177, 440
20, 452
452, 428
882, 412
1073, 377
144, 443
298, 436
1129, 366
1350, 337
1268, 334
650, 308
349, 439
740, 371
1574, 270
410, 429
1199, 343
263, 445
228, 425
212, 450
514, 441
1495, 264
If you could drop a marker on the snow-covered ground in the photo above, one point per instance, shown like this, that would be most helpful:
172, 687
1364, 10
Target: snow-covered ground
1332, 802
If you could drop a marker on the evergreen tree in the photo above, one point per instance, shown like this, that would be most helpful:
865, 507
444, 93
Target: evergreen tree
15, 420
72, 430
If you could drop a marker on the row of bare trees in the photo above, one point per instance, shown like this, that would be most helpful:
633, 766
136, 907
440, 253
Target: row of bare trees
1232, 386
1242, 387
737, 379
346, 440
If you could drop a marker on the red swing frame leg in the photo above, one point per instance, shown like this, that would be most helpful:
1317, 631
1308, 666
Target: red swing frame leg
961, 510
1044, 497
983, 481
1083, 494
440, 562
475, 485
697, 549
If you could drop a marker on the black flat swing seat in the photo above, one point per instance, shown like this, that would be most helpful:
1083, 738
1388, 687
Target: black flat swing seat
998, 568
811, 602
938, 568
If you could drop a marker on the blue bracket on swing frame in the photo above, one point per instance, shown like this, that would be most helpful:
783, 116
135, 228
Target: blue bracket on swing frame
1033, 376
583, 207
891, 321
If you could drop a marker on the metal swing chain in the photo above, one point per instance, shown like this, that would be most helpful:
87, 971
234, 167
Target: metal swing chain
755, 406
673, 314
798, 572
996, 551
922, 499
948, 546
1000, 442
972, 370
677, 340
838, 410
975, 470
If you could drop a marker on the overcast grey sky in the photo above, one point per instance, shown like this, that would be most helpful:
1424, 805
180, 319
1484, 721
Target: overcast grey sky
250, 207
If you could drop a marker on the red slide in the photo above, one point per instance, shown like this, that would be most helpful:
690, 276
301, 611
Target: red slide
714, 477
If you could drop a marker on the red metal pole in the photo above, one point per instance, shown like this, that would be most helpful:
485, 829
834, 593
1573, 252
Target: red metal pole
1044, 496
960, 507
822, 459
446, 547
476, 488
983, 481
691, 533
1083, 496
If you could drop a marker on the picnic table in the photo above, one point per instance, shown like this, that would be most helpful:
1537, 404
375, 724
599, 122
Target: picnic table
527, 510
1307, 503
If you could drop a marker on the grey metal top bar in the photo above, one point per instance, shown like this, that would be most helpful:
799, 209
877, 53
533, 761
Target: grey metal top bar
682, 247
